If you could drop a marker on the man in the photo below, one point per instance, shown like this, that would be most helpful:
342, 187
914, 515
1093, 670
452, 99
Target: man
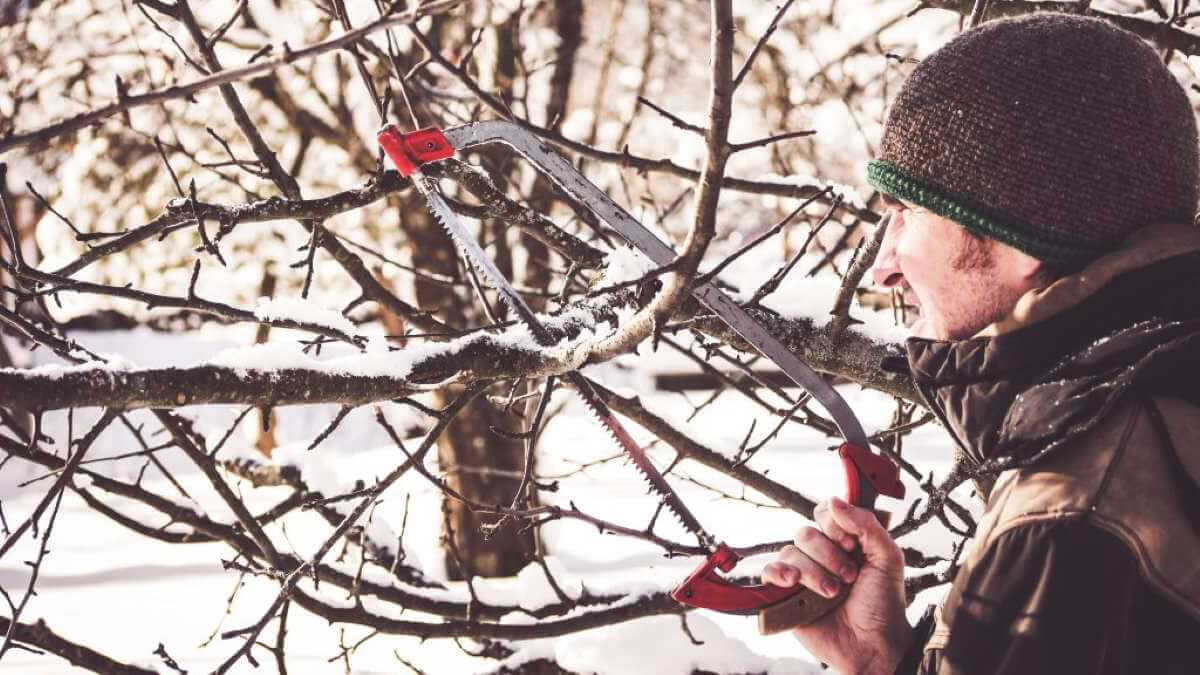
1043, 178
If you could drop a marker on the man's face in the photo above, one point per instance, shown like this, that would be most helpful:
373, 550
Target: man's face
959, 283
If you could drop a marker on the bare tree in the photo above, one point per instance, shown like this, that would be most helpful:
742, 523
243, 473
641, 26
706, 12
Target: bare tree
184, 166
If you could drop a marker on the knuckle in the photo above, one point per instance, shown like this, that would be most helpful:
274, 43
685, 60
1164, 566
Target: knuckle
780, 574
788, 554
824, 519
865, 518
831, 529
808, 537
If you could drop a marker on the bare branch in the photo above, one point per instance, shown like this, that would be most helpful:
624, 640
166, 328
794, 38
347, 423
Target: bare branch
39, 635
221, 77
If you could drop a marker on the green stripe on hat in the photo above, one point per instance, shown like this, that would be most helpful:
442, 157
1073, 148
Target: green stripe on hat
894, 181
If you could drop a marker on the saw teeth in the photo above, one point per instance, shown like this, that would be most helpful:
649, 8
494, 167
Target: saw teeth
491, 276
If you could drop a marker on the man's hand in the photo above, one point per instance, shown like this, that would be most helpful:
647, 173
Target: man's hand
868, 633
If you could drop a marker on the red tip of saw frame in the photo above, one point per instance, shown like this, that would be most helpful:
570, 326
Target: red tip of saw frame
409, 151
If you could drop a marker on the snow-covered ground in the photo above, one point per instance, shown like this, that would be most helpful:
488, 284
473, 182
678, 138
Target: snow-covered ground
112, 589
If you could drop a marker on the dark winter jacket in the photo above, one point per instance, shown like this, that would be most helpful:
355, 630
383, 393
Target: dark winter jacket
1087, 559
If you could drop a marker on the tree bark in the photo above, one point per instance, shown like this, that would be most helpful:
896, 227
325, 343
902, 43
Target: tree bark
266, 414
479, 464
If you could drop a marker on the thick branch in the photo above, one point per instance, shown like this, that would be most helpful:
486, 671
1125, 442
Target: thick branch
39, 635
480, 356
851, 355
678, 284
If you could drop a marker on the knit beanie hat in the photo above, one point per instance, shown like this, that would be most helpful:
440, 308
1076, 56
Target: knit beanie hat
1054, 133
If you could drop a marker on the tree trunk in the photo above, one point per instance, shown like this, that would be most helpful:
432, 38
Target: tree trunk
23, 222
478, 463
266, 414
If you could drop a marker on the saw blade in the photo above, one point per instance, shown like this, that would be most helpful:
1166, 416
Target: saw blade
475, 256
585, 193
657, 482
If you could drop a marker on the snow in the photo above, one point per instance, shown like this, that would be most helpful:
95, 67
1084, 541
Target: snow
379, 359
530, 590
303, 310
330, 474
152, 592
656, 645
625, 263
576, 124
811, 300
808, 297
55, 371
851, 194
376, 361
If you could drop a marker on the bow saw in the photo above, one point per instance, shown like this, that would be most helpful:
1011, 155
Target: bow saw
868, 475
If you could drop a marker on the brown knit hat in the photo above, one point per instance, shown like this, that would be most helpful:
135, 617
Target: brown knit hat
1054, 133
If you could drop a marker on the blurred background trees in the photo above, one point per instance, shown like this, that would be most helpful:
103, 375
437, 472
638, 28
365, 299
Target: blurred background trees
260, 211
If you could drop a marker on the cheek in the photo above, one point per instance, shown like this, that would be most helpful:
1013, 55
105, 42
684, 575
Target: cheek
920, 258
923, 257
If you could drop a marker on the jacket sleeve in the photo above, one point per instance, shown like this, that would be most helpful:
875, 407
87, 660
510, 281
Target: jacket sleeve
1051, 596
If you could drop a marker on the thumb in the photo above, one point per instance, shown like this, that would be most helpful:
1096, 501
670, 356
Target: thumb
877, 543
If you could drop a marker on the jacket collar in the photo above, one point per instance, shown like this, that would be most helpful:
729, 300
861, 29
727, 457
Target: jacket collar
1028, 382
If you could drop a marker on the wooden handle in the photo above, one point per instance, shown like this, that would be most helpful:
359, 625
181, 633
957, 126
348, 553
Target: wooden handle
801, 609
807, 606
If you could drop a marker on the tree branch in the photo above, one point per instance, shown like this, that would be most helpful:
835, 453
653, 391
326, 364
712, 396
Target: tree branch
39, 635
677, 284
223, 77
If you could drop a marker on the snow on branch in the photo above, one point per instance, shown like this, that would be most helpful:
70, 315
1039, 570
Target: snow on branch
281, 374
363, 430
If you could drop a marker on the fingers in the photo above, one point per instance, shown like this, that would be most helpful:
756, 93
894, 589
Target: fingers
780, 574
793, 567
831, 529
877, 544
820, 559
820, 549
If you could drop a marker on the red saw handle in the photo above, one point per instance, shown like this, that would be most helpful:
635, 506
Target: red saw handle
881, 475
705, 588
779, 608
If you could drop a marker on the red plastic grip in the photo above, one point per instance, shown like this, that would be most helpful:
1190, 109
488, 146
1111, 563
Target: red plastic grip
706, 589
409, 151
881, 471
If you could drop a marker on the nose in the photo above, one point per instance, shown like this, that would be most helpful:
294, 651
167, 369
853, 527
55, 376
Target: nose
887, 263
